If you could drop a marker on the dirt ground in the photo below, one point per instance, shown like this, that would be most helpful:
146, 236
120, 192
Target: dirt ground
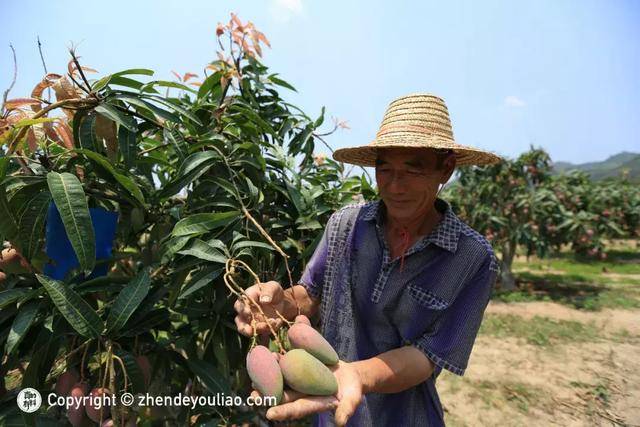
511, 382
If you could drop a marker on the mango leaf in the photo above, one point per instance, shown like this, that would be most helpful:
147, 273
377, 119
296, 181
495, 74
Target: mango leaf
139, 71
76, 310
12, 295
128, 147
127, 301
209, 376
280, 82
126, 182
151, 319
8, 226
112, 113
31, 224
202, 250
149, 106
71, 202
30, 122
87, 132
174, 137
192, 167
21, 324
134, 374
203, 223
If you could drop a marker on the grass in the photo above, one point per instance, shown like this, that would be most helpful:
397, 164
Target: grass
539, 331
519, 395
579, 283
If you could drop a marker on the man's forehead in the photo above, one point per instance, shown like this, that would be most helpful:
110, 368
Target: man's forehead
404, 154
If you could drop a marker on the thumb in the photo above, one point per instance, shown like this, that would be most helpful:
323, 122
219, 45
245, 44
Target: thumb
270, 292
345, 409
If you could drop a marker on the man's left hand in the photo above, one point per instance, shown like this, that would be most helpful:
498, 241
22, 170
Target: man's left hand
297, 405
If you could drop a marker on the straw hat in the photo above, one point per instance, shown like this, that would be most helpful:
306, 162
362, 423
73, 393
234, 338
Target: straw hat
417, 120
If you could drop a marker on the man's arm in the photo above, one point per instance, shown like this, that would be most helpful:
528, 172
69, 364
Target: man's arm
394, 371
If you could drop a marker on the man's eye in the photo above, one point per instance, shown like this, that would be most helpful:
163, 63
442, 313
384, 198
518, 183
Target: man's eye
414, 172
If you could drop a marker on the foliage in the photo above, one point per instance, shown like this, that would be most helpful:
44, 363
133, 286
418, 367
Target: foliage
225, 168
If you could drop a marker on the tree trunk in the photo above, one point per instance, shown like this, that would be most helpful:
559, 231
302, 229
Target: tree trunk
507, 279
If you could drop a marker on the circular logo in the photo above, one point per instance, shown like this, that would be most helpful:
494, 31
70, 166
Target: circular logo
29, 400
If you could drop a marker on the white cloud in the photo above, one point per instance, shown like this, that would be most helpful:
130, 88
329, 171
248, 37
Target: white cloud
514, 101
284, 10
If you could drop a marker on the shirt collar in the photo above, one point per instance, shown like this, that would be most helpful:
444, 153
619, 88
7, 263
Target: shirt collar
444, 235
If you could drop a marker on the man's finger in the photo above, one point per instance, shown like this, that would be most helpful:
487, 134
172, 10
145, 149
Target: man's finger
302, 407
345, 410
243, 327
269, 291
238, 306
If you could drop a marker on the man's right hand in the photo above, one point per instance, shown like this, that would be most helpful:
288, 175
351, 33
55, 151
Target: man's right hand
270, 297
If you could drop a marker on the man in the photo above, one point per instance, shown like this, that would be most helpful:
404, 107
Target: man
400, 284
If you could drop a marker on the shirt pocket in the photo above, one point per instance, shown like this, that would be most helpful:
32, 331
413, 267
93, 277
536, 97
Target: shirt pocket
418, 311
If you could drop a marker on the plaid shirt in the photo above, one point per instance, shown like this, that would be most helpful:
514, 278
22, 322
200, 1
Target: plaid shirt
368, 306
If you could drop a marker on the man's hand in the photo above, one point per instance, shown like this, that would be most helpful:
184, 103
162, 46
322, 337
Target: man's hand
297, 405
270, 297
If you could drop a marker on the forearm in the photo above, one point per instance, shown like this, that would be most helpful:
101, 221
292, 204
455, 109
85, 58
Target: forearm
394, 371
298, 301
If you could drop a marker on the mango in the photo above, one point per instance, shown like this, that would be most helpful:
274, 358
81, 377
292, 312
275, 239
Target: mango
65, 381
305, 337
94, 408
306, 374
145, 368
265, 373
76, 415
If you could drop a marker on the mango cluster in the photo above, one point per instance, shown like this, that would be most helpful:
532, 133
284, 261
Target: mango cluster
303, 368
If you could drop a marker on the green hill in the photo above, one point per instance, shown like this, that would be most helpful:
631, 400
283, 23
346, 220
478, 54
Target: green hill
612, 167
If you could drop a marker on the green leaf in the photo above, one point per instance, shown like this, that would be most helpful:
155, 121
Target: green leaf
151, 320
8, 226
209, 83
127, 302
87, 132
192, 167
199, 281
136, 377
112, 113
149, 106
31, 224
164, 83
12, 295
139, 71
76, 310
205, 251
30, 122
281, 82
128, 146
126, 182
21, 324
174, 106
209, 376
251, 244
174, 137
203, 223
71, 202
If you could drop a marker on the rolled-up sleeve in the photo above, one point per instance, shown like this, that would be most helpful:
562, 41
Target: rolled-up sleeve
449, 345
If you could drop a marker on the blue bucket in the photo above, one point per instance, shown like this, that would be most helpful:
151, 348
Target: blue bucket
58, 246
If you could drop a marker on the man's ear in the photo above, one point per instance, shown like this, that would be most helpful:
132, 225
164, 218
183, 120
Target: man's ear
448, 165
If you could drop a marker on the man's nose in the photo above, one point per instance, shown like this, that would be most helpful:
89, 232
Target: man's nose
396, 183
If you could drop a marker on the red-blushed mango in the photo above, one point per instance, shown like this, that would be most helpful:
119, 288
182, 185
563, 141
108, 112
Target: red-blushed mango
301, 318
145, 368
265, 373
76, 415
306, 374
305, 337
97, 404
65, 381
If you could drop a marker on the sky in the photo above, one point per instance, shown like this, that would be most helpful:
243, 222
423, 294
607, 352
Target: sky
557, 74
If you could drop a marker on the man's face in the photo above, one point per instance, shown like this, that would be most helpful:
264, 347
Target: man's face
408, 180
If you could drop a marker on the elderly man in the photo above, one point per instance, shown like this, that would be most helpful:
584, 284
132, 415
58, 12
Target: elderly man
400, 284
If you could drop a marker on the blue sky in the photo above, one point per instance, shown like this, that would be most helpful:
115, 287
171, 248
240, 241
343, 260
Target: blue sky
564, 75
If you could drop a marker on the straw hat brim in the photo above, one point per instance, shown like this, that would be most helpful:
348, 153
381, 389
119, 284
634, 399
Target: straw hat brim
366, 155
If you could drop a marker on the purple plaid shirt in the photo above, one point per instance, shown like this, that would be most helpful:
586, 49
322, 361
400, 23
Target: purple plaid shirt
368, 306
